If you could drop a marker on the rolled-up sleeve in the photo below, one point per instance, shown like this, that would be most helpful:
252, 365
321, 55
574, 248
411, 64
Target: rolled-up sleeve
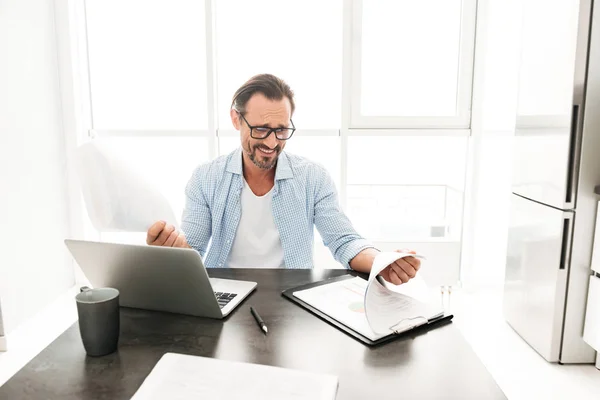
196, 222
334, 226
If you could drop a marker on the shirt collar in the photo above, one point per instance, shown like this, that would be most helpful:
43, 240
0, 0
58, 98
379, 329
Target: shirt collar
283, 170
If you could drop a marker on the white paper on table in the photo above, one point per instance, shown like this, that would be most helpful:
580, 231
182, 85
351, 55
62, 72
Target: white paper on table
343, 301
116, 198
388, 310
370, 308
178, 377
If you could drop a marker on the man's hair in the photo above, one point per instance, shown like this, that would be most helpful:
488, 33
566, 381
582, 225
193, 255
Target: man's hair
272, 87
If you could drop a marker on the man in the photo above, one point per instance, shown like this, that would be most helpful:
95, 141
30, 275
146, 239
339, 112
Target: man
257, 205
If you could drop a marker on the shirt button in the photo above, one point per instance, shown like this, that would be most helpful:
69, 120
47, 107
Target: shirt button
220, 265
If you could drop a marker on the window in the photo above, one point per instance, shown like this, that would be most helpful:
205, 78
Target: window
412, 63
147, 62
300, 41
412, 191
382, 92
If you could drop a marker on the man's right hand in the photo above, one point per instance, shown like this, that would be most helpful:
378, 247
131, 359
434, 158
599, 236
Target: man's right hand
163, 234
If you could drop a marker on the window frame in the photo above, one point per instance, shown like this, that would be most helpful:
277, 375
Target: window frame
465, 77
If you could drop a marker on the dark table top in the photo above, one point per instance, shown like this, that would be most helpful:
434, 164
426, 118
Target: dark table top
436, 364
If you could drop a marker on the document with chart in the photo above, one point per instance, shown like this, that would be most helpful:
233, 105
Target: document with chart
370, 307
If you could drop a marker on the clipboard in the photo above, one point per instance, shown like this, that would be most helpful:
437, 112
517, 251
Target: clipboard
441, 320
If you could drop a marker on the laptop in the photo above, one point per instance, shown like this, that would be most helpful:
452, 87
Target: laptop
158, 278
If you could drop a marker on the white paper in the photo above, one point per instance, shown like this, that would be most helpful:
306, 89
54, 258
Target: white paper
388, 310
179, 377
116, 198
370, 308
343, 301
416, 288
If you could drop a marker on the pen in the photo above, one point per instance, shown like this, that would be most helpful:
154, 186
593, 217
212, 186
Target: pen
259, 320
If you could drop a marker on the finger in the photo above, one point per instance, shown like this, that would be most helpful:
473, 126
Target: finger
401, 276
405, 267
398, 272
415, 262
171, 239
180, 242
385, 273
401, 272
394, 278
154, 231
164, 235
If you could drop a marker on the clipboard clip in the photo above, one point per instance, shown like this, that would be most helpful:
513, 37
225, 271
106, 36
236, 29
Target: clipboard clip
420, 320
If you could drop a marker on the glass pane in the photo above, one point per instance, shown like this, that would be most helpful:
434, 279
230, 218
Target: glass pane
227, 144
147, 64
410, 57
166, 162
324, 150
407, 188
548, 58
300, 42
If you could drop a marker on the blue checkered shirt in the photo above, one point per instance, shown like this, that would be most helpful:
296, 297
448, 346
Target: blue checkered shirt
304, 196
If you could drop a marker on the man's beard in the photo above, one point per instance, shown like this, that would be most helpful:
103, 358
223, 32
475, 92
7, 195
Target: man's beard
255, 156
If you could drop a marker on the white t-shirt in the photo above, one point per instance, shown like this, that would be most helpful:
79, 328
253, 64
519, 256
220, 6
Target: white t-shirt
256, 243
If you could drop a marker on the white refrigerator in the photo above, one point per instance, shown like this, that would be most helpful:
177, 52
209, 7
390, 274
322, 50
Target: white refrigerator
556, 165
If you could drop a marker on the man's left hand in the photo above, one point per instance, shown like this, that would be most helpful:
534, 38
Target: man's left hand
401, 270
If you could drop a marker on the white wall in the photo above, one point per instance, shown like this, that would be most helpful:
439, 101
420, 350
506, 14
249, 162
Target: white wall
34, 265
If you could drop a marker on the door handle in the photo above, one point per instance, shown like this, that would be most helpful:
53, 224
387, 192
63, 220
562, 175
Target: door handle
565, 249
573, 155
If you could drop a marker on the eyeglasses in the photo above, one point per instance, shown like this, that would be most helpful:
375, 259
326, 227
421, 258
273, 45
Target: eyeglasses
263, 132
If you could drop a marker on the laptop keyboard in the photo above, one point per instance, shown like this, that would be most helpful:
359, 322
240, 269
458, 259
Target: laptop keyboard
223, 298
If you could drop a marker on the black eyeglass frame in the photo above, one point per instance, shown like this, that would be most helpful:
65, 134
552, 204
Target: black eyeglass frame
271, 130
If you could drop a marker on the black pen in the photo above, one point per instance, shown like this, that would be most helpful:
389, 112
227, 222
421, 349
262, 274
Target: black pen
259, 320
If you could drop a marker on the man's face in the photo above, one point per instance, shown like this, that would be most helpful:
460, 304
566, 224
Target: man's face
263, 112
